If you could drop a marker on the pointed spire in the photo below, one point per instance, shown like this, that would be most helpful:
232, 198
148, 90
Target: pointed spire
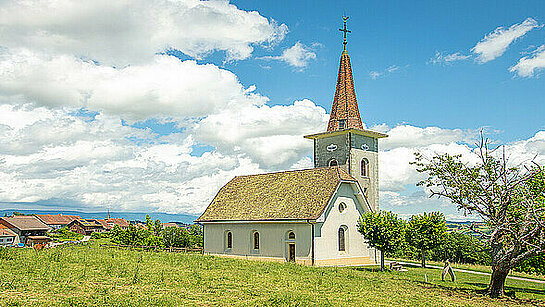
344, 112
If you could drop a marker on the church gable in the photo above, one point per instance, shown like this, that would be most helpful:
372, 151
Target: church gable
346, 190
290, 195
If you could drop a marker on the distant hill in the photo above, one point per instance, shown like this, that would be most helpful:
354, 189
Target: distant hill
131, 216
463, 227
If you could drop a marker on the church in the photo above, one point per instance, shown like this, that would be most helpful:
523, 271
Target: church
305, 216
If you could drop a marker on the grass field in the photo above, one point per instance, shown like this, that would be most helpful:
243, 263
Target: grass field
91, 276
475, 267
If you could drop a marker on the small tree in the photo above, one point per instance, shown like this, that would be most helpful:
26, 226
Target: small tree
426, 232
383, 231
176, 237
157, 228
510, 199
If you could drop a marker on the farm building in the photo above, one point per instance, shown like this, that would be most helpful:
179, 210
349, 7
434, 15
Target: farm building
7, 236
25, 226
85, 226
57, 221
109, 223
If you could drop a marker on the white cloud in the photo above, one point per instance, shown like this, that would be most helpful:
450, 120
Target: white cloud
495, 43
447, 59
48, 154
398, 177
52, 154
272, 136
128, 32
529, 65
94, 164
411, 136
297, 56
390, 69
165, 87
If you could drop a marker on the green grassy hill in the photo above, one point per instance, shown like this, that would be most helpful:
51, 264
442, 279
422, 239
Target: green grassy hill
91, 276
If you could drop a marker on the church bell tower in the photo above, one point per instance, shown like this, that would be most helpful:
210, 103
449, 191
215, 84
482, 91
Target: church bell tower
346, 143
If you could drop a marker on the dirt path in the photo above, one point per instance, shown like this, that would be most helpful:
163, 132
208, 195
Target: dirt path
474, 272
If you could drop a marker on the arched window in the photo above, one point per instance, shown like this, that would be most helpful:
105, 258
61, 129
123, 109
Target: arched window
364, 167
229, 240
333, 162
256, 240
291, 235
342, 124
342, 206
342, 245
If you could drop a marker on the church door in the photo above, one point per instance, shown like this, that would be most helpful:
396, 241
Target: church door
291, 255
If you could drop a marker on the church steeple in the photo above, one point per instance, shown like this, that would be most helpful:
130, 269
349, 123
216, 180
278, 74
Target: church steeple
345, 113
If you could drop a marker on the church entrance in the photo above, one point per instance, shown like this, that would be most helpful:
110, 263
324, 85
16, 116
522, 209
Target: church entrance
291, 252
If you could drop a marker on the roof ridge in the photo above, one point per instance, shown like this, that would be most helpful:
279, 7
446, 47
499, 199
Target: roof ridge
287, 171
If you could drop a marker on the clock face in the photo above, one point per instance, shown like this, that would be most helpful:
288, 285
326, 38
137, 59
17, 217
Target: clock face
365, 147
331, 147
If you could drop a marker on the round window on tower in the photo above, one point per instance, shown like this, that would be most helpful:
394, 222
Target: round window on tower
342, 206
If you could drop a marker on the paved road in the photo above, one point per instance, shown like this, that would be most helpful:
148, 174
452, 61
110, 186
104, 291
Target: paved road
474, 272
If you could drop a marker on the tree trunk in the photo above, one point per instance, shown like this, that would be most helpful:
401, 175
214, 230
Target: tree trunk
497, 281
381, 261
423, 258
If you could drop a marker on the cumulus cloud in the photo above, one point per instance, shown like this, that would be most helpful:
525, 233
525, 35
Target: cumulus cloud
529, 65
162, 88
271, 135
130, 32
495, 43
98, 163
95, 164
411, 136
398, 177
297, 56
447, 59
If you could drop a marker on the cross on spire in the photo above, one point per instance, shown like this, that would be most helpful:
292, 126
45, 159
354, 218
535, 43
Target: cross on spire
345, 18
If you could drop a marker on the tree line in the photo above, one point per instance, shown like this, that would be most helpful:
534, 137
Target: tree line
153, 234
426, 236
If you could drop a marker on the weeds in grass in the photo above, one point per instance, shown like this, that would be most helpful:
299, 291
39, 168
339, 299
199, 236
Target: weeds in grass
93, 276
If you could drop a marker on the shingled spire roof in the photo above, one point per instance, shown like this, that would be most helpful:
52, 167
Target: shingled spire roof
345, 113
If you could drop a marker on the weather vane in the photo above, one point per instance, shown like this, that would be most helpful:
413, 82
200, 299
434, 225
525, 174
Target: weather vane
345, 18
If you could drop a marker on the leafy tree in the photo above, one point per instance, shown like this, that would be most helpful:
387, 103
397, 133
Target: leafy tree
383, 231
461, 248
153, 240
149, 223
157, 228
196, 235
176, 237
130, 236
510, 199
426, 232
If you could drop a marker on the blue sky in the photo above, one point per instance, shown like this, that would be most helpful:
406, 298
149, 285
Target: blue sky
408, 34
152, 106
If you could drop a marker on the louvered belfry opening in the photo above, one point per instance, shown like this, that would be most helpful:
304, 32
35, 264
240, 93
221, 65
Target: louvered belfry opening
345, 113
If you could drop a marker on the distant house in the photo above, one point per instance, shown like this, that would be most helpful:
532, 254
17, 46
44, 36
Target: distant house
7, 236
57, 221
25, 226
86, 227
165, 225
109, 223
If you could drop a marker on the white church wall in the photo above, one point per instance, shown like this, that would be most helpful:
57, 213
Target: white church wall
326, 242
272, 236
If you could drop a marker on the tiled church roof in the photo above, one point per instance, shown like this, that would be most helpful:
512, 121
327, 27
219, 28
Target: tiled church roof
301, 194
345, 105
